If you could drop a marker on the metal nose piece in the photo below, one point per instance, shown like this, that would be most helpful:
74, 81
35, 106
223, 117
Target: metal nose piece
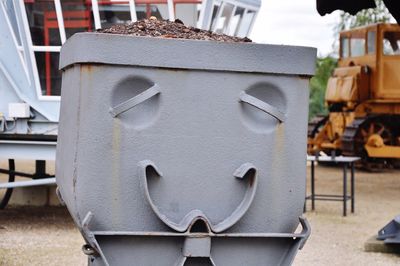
247, 172
199, 225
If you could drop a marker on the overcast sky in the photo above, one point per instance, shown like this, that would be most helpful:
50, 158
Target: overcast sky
294, 22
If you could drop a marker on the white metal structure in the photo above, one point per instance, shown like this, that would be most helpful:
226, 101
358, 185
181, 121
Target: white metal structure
32, 33
229, 16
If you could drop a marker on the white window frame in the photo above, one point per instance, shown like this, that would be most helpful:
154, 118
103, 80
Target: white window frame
31, 49
213, 24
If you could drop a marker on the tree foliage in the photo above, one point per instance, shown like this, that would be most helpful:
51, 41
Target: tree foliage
324, 69
364, 17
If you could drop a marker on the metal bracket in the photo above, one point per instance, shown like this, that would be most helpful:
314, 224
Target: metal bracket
193, 244
91, 239
29, 183
132, 102
263, 106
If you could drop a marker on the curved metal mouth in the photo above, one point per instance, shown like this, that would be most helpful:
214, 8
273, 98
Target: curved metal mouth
246, 172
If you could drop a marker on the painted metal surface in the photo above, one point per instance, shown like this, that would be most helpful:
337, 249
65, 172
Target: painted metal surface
233, 57
30, 183
181, 154
390, 233
28, 150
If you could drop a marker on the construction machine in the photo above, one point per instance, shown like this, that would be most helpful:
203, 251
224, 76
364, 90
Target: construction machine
363, 99
371, 126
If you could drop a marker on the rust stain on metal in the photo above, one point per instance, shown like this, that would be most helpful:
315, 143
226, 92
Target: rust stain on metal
278, 147
279, 138
115, 180
87, 68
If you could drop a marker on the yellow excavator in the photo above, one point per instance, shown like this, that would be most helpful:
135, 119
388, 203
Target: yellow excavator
363, 98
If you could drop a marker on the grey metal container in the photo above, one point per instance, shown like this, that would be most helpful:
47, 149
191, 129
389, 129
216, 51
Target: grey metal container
182, 152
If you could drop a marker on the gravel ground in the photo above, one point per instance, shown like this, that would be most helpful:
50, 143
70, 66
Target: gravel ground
39, 236
168, 29
46, 235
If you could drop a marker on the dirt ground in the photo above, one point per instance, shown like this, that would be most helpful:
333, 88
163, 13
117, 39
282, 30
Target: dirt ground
46, 235
338, 240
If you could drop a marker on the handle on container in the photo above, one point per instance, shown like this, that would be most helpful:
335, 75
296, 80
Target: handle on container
263, 106
132, 102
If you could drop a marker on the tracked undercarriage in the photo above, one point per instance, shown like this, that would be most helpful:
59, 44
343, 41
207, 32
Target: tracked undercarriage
374, 138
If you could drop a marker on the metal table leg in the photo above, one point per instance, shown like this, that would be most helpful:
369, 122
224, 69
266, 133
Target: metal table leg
11, 178
344, 189
312, 186
40, 169
352, 187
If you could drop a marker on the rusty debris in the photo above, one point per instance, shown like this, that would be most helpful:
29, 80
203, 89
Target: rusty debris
169, 29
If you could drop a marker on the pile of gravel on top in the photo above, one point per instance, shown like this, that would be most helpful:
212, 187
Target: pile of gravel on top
168, 29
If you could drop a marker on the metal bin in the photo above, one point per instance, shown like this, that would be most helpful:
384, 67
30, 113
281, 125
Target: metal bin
183, 152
